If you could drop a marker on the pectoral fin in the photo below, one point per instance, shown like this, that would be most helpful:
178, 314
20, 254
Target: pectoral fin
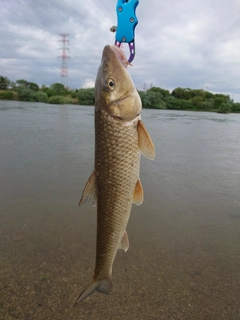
124, 243
138, 193
145, 142
89, 193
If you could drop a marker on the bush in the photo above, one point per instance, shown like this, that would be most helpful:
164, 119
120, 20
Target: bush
59, 88
178, 104
29, 85
5, 83
56, 100
163, 92
6, 95
26, 94
152, 99
197, 102
86, 97
41, 96
50, 92
69, 100
74, 94
225, 107
218, 101
208, 104
236, 107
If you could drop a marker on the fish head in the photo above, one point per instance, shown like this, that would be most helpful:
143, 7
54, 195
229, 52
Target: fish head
115, 91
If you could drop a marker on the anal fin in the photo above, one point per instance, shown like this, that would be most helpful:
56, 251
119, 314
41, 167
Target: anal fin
89, 193
124, 243
145, 142
138, 193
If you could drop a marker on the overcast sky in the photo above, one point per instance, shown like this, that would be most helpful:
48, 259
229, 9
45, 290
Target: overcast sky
179, 43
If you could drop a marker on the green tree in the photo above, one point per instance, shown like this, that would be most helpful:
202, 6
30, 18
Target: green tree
26, 94
41, 96
186, 104
4, 83
86, 96
145, 101
225, 107
50, 92
197, 102
56, 100
218, 101
209, 95
30, 85
178, 104
235, 107
164, 93
208, 104
181, 93
33, 86
13, 85
197, 93
153, 98
74, 94
172, 103
59, 88
22, 82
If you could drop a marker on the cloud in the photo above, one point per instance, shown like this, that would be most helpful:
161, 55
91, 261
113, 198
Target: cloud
178, 44
88, 84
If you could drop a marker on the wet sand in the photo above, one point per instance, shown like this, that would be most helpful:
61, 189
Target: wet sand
170, 271
184, 256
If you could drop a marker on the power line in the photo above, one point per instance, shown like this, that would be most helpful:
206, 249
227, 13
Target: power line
40, 17
65, 57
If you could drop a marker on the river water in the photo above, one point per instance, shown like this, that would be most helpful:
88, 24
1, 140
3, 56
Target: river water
184, 256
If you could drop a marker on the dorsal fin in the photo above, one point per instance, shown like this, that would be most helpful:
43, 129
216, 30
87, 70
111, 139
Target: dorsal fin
90, 191
138, 193
145, 142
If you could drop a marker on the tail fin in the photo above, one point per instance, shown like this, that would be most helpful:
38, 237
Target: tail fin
103, 286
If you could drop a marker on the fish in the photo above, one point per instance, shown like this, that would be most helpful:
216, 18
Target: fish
114, 185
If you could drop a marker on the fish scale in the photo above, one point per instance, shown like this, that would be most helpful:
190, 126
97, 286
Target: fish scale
116, 146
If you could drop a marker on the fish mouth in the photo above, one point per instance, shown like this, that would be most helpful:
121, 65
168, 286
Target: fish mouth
120, 55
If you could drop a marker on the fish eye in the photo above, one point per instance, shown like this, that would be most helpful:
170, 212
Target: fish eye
111, 84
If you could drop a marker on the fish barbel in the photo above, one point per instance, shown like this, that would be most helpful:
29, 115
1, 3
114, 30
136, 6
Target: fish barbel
114, 184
